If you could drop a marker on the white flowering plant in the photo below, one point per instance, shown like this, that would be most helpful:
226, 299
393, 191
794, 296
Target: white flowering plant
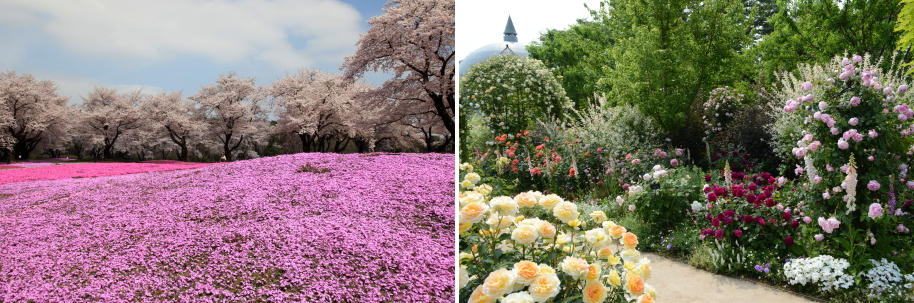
845, 126
508, 254
826, 271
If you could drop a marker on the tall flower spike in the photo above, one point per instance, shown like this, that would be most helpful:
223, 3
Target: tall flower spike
728, 175
811, 170
851, 185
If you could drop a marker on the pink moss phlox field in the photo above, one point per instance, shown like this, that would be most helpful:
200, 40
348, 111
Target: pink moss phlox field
32, 164
88, 170
349, 228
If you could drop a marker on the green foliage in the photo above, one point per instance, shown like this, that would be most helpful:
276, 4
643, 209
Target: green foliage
812, 31
617, 130
510, 92
664, 199
474, 134
576, 56
667, 53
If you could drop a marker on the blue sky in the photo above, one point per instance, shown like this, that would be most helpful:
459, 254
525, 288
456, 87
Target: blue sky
171, 45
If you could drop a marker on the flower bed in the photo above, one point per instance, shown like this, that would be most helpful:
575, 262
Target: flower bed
358, 229
49, 171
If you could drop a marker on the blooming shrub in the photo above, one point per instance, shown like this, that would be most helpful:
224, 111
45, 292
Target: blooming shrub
887, 283
375, 228
534, 247
511, 92
89, 170
847, 124
824, 270
718, 111
661, 197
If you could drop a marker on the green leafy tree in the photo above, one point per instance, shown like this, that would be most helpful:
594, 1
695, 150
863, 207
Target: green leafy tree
668, 53
813, 31
576, 56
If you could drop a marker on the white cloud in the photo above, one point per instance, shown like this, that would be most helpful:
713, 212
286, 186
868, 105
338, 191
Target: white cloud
226, 32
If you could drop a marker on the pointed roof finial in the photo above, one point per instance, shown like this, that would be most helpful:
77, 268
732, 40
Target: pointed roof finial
510, 32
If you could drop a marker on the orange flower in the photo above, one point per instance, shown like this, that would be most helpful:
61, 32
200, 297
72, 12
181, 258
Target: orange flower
594, 292
526, 271
593, 273
479, 297
630, 240
634, 284
616, 231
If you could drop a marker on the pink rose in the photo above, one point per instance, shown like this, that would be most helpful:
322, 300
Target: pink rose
674, 162
873, 185
855, 101
835, 130
636, 161
853, 121
857, 58
858, 137
819, 237
887, 91
823, 105
842, 144
829, 225
902, 89
631, 207
807, 86
807, 220
817, 179
875, 210
872, 133
871, 158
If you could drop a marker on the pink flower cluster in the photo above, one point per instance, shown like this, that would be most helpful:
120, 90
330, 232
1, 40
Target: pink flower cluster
829, 225
348, 228
89, 170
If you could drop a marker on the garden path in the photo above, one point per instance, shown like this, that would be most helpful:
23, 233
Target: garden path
680, 282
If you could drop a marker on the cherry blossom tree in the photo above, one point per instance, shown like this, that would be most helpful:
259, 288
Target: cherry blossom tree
414, 39
176, 117
232, 107
109, 115
31, 111
322, 110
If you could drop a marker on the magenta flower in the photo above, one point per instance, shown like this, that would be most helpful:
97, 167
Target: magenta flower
788, 241
715, 222
712, 197
761, 221
873, 185
719, 234
738, 233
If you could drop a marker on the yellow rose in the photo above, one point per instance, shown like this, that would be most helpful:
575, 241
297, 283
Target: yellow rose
630, 240
499, 222
598, 216
470, 197
484, 189
614, 278
565, 211
467, 184
593, 272
519, 219
594, 292
462, 227
465, 256
525, 200
546, 270
544, 287
525, 234
595, 235
466, 167
550, 201
546, 229
473, 212
574, 267
472, 177
608, 224
613, 260
479, 297
634, 284
518, 297
498, 283
463, 277
562, 239
574, 223
616, 231
644, 268
503, 205
526, 271
629, 265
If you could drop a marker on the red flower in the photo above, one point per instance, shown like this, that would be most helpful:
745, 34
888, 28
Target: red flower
712, 197
715, 222
761, 221
540, 147
788, 241
769, 202
787, 216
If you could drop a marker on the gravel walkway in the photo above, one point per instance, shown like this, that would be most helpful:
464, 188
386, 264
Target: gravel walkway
679, 282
